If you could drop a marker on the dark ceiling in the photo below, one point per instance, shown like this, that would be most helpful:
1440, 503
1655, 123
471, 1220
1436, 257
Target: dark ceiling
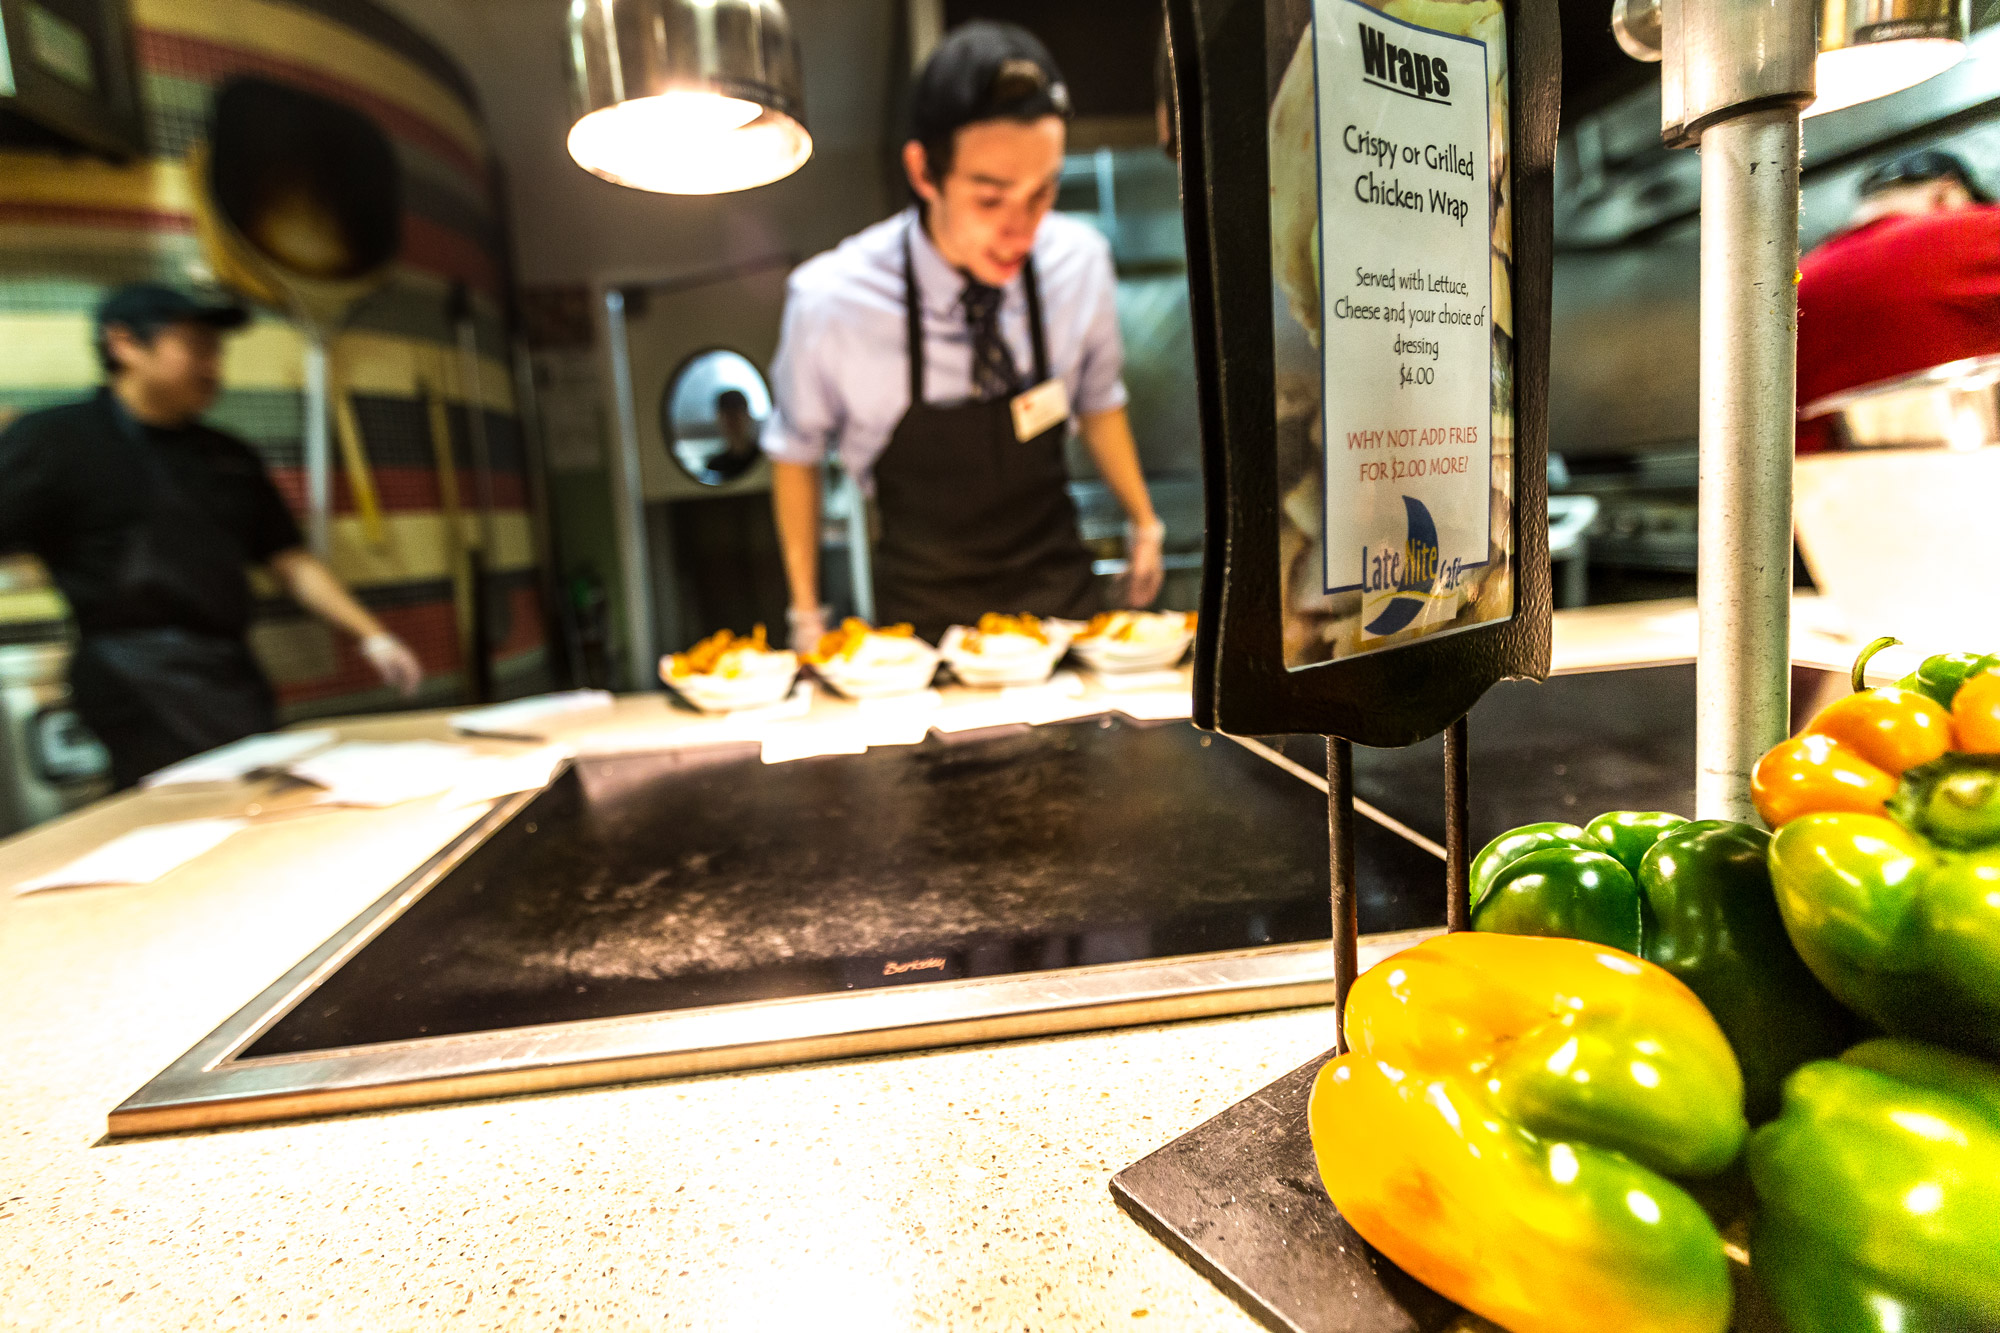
1595, 70
1107, 48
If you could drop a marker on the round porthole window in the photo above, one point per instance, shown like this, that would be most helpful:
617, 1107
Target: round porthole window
712, 413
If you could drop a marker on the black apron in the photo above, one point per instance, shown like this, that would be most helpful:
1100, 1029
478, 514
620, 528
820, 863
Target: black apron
172, 675
973, 519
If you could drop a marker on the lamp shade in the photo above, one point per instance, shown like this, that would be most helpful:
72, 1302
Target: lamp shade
686, 96
1871, 48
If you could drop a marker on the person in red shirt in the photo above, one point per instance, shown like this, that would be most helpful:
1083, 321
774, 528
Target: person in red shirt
1913, 282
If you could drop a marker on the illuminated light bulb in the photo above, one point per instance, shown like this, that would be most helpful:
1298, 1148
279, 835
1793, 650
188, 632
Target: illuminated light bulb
686, 96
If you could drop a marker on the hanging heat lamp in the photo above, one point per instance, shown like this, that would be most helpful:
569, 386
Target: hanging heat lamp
1871, 48
1867, 48
686, 96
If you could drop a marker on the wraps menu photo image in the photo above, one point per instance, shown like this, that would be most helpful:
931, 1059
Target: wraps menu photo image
1392, 249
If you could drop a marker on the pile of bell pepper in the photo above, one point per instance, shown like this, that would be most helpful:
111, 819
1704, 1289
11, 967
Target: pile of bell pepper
1547, 1129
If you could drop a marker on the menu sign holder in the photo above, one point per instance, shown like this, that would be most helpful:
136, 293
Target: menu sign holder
1373, 358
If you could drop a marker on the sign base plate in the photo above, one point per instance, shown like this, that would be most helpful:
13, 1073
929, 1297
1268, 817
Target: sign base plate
1240, 1199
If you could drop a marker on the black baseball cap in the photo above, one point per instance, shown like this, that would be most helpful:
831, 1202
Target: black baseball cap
1927, 164
985, 71
145, 307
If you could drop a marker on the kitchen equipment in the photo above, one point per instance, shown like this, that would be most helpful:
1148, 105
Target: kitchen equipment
300, 208
683, 912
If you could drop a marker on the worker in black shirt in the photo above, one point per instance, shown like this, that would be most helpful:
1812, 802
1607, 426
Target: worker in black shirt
146, 519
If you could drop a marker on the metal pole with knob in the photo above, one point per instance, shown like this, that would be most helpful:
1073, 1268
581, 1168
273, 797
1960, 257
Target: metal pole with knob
1735, 76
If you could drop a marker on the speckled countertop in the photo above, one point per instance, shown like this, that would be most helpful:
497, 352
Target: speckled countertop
963, 1188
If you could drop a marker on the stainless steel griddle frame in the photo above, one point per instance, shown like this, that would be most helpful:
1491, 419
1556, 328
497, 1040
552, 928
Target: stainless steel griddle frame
212, 1085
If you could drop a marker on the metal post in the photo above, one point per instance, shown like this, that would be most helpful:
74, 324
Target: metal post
1457, 823
1340, 848
1735, 75
318, 449
1749, 347
628, 505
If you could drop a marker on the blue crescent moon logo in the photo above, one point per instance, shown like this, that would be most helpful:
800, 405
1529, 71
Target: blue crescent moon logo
1422, 556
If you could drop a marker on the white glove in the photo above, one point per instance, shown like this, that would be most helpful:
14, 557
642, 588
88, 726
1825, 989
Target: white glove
393, 662
1146, 568
807, 627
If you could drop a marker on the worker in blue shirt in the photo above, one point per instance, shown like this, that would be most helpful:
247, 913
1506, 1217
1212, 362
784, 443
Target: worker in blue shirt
943, 353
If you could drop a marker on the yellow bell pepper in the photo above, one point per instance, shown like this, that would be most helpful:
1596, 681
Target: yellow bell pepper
1505, 1124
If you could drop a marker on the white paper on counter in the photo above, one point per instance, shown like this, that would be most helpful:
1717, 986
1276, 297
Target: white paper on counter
1157, 705
239, 759
378, 773
903, 719
748, 722
521, 719
492, 776
809, 741
1062, 699
1131, 682
138, 857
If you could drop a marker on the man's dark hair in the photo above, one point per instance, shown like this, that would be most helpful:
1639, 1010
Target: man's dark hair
982, 71
1919, 168
143, 333
731, 400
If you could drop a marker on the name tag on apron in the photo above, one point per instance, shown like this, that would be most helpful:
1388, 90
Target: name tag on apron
1045, 405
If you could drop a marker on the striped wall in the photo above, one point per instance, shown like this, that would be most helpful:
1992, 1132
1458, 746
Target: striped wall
71, 226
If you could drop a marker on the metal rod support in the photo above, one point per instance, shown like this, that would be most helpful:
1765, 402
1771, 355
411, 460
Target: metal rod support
1749, 354
318, 448
1340, 848
1457, 829
628, 506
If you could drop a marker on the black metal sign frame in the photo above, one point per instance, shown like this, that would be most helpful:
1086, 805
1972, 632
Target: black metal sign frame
1404, 694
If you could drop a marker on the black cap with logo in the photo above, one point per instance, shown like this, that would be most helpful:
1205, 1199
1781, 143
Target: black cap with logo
985, 71
147, 307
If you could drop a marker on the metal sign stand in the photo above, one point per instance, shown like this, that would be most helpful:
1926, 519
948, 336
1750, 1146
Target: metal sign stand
1239, 1197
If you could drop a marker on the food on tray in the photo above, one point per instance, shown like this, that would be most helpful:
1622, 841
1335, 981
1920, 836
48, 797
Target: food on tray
997, 634
1887, 811
1135, 640
1880, 1193
1693, 897
1137, 627
1006, 650
856, 642
864, 663
728, 655
1510, 1124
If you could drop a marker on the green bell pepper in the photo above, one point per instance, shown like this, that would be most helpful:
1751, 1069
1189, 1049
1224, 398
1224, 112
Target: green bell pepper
1880, 1193
1903, 927
1938, 678
1693, 897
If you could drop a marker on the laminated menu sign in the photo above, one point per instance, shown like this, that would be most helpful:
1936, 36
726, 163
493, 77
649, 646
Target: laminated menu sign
1393, 255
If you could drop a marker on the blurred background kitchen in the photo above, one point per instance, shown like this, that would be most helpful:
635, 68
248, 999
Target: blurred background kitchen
517, 429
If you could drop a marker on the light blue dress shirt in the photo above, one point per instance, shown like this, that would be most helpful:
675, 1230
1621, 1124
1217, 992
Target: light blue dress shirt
841, 377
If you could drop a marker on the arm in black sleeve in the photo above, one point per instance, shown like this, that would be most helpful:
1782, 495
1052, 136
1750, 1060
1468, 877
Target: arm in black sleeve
272, 527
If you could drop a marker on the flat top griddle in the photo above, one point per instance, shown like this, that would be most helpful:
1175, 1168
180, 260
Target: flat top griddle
687, 912
651, 883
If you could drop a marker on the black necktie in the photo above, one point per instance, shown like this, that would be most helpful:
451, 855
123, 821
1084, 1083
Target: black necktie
993, 374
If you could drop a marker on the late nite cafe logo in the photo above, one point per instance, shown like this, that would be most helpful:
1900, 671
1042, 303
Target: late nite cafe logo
1400, 70
893, 969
